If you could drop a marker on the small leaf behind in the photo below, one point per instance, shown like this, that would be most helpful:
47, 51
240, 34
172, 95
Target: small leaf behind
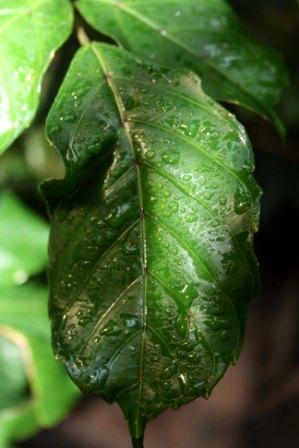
205, 36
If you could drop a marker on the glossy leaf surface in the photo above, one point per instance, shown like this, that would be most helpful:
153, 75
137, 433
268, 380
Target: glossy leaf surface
30, 32
23, 241
151, 260
37, 392
204, 35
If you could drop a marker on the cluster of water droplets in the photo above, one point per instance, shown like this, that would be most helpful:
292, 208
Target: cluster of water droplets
166, 175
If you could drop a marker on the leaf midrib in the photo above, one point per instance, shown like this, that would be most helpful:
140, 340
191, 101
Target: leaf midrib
125, 125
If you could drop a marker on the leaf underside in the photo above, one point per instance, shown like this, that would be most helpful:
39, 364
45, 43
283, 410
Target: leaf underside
205, 36
151, 260
30, 32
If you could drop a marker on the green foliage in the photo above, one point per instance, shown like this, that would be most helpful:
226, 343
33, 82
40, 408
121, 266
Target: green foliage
23, 241
151, 264
13, 386
30, 32
204, 35
35, 390
151, 260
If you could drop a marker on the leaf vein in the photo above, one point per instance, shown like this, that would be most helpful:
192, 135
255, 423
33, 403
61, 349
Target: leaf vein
200, 148
96, 265
183, 190
185, 47
212, 111
202, 331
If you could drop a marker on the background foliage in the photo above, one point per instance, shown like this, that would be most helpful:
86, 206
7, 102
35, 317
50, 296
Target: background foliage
30, 160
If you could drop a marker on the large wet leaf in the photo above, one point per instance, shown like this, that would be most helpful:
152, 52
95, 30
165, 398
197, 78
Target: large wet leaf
204, 35
30, 32
35, 390
151, 260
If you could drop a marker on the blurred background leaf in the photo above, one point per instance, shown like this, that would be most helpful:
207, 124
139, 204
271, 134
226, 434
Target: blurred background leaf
257, 404
30, 31
23, 241
35, 390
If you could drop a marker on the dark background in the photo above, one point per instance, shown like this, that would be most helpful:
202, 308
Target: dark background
256, 405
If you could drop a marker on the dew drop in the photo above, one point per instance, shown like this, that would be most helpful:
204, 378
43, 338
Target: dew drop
166, 385
224, 335
191, 217
181, 325
194, 358
222, 200
187, 178
173, 207
169, 371
151, 154
241, 207
170, 157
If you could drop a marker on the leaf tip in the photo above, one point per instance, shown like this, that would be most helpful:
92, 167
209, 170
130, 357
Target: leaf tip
206, 394
137, 443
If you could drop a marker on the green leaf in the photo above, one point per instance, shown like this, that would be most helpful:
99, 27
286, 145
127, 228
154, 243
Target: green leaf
205, 36
34, 390
23, 241
30, 32
37, 392
13, 386
151, 260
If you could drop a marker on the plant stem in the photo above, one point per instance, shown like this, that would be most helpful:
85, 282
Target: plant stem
137, 443
82, 36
